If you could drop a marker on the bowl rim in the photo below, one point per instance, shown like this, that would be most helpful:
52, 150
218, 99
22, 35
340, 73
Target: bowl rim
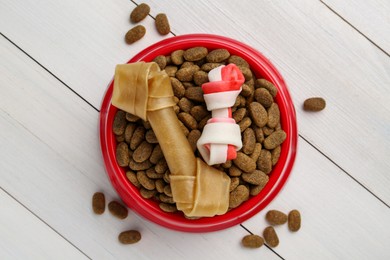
278, 177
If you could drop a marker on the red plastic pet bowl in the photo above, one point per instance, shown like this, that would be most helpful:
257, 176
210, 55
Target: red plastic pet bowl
149, 209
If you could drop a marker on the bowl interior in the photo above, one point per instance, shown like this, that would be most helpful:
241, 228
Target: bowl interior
149, 209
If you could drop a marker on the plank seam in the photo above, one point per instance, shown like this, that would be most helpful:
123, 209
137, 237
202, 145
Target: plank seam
35, 215
356, 29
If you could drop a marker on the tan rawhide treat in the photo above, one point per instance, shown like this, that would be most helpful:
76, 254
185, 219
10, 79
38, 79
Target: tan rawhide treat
143, 90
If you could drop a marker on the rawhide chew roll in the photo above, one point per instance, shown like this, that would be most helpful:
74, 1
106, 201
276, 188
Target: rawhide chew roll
143, 90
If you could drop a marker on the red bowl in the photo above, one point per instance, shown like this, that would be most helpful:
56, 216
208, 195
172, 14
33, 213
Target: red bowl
149, 209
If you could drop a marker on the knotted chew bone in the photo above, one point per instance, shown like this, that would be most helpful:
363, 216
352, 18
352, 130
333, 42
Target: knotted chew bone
221, 136
143, 90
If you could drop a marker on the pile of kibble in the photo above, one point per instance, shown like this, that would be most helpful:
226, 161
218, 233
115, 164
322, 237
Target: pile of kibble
255, 111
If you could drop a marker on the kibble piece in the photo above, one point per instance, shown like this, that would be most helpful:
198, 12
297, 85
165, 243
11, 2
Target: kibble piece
187, 73
203, 122
270, 236
263, 83
132, 118
177, 57
218, 55
162, 24
294, 220
244, 162
122, 154
188, 120
268, 130
161, 61
199, 112
240, 62
98, 203
235, 181
259, 134
227, 164
152, 174
275, 139
238, 196
186, 64
185, 104
177, 87
129, 131
244, 124
252, 241
246, 72
145, 181
201, 77
161, 166
234, 171
143, 152
195, 94
256, 177
193, 138
117, 209
263, 96
150, 137
276, 217
264, 163
139, 13
171, 70
139, 166
135, 34
170, 208
132, 177
258, 114
119, 125
195, 53
147, 194
166, 199
160, 184
129, 237
246, 90
120, 138
209, 66
275, 154
239, 114
138, 137
168, 190
248, 141
314, 104
256, 152
156, 155
273, 115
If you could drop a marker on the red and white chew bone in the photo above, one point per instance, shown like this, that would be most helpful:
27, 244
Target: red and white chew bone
221, 136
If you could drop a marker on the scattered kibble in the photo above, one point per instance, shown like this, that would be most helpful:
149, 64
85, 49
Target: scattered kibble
270, 236
129, 237
294, 220
139, 13
135, 34
162, 24
252, 241
314, 104
117, 209
276, 217
98, 203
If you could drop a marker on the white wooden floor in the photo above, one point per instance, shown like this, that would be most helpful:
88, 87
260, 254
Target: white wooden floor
57, 58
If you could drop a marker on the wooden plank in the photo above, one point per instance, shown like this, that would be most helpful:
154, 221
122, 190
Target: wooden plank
371, 18
24, 236
339, 219
51, 162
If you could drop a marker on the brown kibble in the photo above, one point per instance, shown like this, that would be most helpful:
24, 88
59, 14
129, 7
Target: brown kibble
270, 236
195, 94
151, 137
246, 90
276, 217
188, 120
135, 34
177, 57
264, 163
203, 122
145, 181
168, 190
314, 104
156, 155
184, 128
200, 77
166, 207
147, 194
238, 196
187, 73
235, 181
161, 61
227, 164
160, 184
256, 177
98, 203
234, 171
199, 112
217, 55
263, 83
139, 166
186, 64
117, 209
244, 124
263, 96
239, 114
258, 114
129, 131
171, 70
129, 237
143, 152
152, 174
195, 53
132, 177
275, 139
120, 138
252, 241
259, 134
209, 66
119, 125
294, 220
177, 87
256, 152
166, 199
268, 130
132, 118
193, 138
254, 190
246, 72
275, 154
139, 13
162, 24
185, 104
240, 62
122, 154
138, 137
248, 141
244, 162
161, 166
273, 115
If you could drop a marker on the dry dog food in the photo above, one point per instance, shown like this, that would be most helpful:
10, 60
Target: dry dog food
135, 34
294, 220
129, 237
162, 24
270, 237
276, 217
255, 111
117, 209
252, 241
314, 104
98, 203
139, 13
